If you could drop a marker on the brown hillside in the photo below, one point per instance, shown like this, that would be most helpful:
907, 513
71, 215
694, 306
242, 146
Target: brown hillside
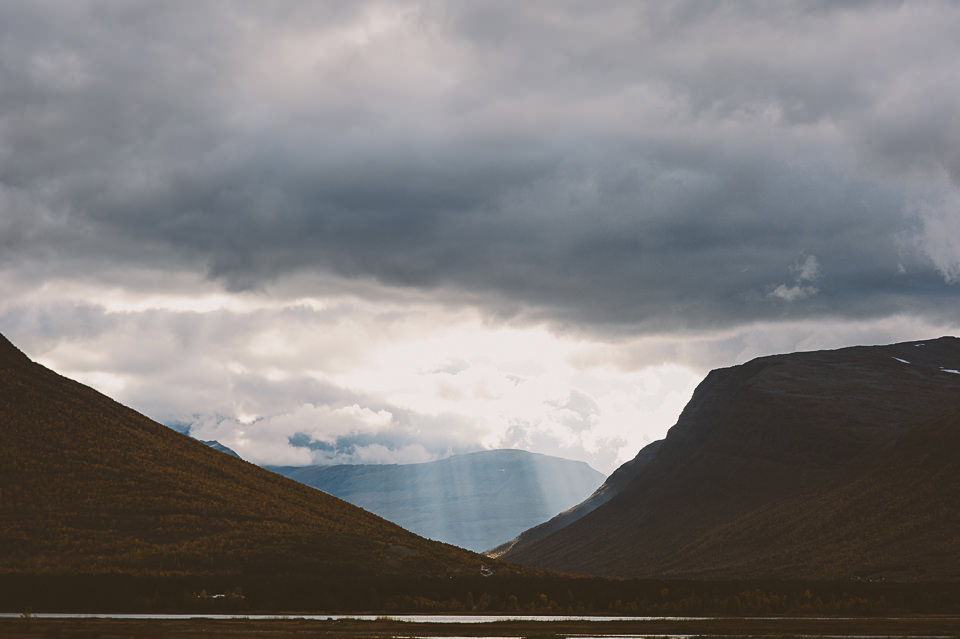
90, 486
825, 465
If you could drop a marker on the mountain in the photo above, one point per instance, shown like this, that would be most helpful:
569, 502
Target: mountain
822, 465
214, 444
88, 486
474, 501
607, 491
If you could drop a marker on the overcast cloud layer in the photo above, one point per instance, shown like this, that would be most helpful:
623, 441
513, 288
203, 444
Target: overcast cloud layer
375, 231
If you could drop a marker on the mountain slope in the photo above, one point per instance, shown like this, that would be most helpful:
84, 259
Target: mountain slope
475, 501
822, 465
615, 483
90, 486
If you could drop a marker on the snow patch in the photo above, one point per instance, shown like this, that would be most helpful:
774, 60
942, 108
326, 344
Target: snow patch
918, 345
950, 370
900, 360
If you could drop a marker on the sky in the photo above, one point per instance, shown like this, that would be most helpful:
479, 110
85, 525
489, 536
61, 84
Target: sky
378, 232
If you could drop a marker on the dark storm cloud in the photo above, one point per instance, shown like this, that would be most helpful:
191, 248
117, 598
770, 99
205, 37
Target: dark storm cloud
632, 166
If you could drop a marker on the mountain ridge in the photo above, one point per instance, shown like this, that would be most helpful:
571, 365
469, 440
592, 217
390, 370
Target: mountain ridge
473, 500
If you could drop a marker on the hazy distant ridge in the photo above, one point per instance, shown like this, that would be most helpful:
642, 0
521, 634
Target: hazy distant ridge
214, 444
475, 501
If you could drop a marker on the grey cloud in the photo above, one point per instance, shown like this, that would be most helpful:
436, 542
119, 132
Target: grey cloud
625, 167
350, 449
319, 433
36, 329
265, 396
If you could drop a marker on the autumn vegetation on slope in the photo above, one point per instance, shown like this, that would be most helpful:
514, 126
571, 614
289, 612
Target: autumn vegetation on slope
90, 486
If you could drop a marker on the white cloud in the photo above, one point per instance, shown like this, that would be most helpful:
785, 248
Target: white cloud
806, 271
940, 234
793, 293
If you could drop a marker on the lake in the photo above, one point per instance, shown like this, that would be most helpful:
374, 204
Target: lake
298, 626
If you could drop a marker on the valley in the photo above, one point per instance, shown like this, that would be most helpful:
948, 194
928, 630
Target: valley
533, 320
809, 485
475, 501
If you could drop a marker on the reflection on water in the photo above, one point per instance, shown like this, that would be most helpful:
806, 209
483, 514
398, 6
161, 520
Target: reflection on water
604, 628
403, 618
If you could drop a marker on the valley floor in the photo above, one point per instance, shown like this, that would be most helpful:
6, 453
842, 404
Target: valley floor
293, 628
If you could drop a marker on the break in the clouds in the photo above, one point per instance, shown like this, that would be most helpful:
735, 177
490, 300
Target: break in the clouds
580, 178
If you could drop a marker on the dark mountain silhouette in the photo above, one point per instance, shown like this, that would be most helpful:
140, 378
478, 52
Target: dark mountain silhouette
88, 486
615, 483
823, 465
475, 501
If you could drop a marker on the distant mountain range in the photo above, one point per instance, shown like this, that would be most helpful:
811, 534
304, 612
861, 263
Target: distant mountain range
88, 486
214, 444
837, 464
474, 501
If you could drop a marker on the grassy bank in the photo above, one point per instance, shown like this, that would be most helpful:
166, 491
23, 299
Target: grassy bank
502, 595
